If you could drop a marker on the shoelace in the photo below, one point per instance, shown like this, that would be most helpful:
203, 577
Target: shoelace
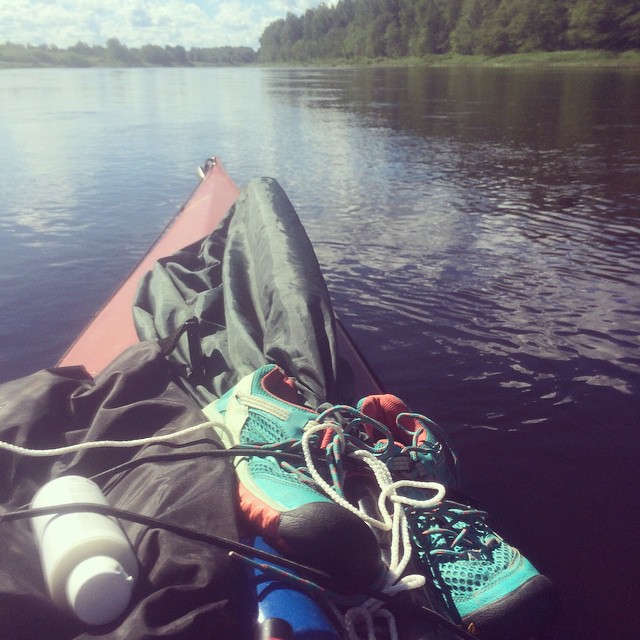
343, 430
455, 531
395, 522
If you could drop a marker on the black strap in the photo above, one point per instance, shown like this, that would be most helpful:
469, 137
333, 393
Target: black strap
167, 345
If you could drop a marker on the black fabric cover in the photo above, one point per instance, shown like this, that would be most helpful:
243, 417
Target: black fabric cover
256, 288
258, 292
185, 589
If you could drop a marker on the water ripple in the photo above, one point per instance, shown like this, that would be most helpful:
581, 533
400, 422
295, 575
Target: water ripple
517, 270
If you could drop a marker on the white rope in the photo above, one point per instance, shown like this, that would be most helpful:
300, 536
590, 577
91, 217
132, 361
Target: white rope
311, 428
353, 615
105, 444
396, 523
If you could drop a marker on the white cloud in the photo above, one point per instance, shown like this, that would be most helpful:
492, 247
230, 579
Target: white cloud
297, 7
200, 23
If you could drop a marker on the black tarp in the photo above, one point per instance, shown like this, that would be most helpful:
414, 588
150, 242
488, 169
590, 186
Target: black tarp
258, 293
257, 290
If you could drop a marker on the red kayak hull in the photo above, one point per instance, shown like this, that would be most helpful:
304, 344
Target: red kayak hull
112, 329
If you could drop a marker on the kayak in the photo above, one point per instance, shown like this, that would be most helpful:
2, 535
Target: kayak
112, 329
234, 273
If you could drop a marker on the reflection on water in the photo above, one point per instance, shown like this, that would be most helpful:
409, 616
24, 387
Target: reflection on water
510, 222
478, 229
482, 243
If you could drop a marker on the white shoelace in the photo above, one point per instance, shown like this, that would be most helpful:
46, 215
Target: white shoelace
396, 523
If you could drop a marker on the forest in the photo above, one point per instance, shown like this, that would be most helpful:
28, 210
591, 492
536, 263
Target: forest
116, 54
353, 29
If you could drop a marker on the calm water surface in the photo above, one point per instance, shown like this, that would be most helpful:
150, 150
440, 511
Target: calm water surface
479, 230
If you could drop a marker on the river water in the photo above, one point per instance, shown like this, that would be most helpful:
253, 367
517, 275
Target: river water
479, 230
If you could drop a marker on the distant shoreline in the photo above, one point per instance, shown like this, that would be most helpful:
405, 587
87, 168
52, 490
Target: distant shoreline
577, 59
580, 58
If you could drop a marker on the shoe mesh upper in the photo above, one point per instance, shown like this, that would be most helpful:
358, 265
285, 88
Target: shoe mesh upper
261, 429
474, 565
465, 577
283, 489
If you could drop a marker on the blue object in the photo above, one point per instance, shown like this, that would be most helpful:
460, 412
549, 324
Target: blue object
278, 598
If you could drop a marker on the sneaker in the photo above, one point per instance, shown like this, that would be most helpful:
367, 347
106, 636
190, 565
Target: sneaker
488, 584
280, 501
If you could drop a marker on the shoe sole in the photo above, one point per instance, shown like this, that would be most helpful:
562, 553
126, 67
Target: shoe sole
527, 613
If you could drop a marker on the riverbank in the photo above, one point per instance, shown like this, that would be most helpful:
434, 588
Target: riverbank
580, 58
115, 54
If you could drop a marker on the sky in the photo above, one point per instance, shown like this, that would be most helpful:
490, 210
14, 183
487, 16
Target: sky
190, 23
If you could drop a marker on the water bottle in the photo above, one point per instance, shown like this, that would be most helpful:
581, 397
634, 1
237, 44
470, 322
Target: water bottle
87, 561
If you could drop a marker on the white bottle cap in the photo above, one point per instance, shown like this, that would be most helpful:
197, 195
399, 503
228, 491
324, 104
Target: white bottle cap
99, 590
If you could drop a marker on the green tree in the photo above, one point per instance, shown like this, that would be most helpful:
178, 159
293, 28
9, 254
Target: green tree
321, 22
436, 19
589, 23
178, 55
628, 24
344, 13
537, 25
378, 45
82, 49
610, 25
292, 32
271, 42
155, 55
472, 30
394, 44
120, 55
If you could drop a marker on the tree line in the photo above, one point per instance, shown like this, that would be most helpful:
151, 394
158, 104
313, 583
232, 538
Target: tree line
119, 55
353, 29
395, 28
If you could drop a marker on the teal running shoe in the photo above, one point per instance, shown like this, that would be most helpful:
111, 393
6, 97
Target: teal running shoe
488, 584
280, 501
